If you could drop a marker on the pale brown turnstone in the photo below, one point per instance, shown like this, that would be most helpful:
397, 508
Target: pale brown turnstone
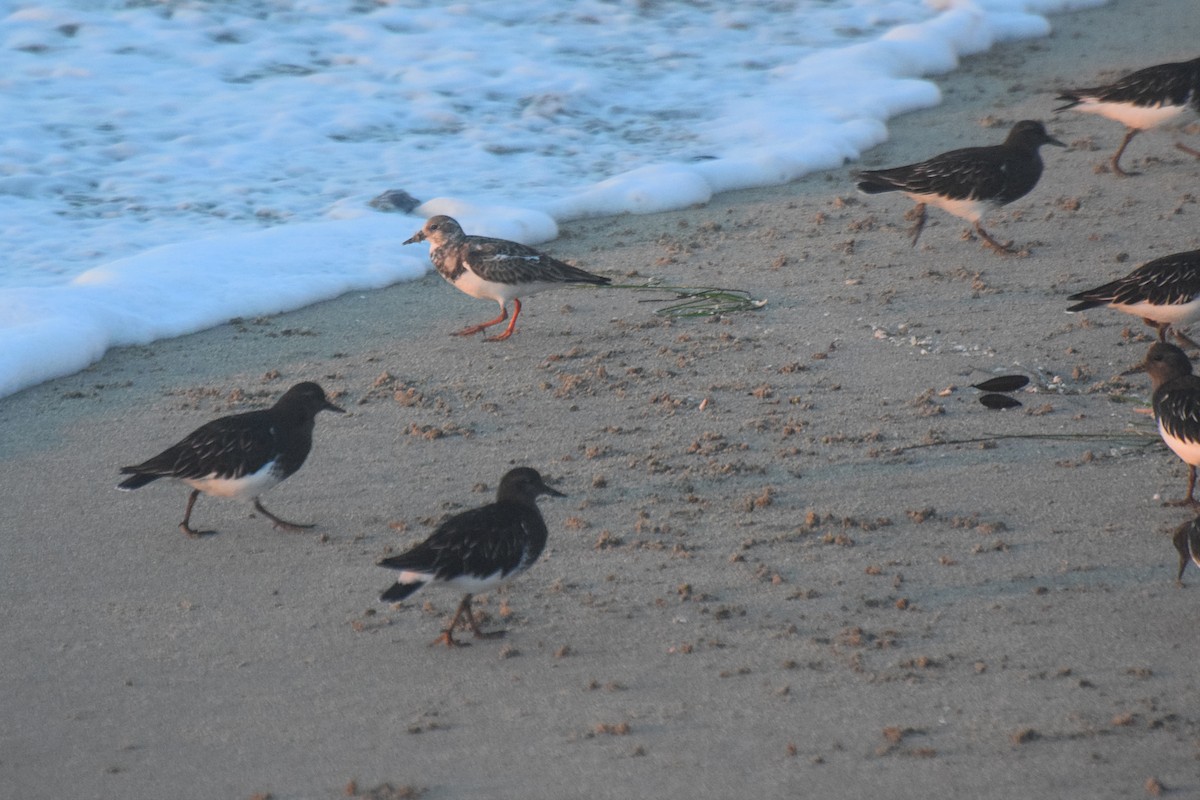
494, 269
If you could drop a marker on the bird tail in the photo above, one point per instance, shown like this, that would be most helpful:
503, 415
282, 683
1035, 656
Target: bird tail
869, 183
136, 481
398, 591
1071, 99
1085, 305
576, 275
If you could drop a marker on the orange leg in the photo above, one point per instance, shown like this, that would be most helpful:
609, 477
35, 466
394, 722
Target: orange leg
1191, 151
1164, 328
1116, 159
917, 213
447, 637
1184, 339
1190, 500
464, 608
1161, 327
511, 325
187, 516
474, 329
279, 523
1005, 249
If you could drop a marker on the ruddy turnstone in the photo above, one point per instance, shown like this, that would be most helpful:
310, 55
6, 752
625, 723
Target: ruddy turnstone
1176, 403
494, 269
1187, 544
242, 455
1164, 292
1142, 100
478, 549
969, 181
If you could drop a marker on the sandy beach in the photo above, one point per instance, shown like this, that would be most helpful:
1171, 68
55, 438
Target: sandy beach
797, 558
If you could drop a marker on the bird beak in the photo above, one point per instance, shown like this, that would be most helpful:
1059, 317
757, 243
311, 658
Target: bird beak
1055, 142
552, 492
331, 407
1135, 369
419, 236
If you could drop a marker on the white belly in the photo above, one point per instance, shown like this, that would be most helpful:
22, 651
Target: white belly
1180, 315
472, 284
1188, 451
475, 584
471, 584
970, 210
246, 487
1130, 115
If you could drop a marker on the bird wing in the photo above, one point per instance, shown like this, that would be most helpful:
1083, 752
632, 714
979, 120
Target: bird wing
1177, 408
477, 542
975, 173
1168, 280
229, 447
1165, 84
503, 261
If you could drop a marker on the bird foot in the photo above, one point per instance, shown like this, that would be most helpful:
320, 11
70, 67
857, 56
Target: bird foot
1187, 501
1003, 248
500, 634
283, 524
448, 640
1184, 339
918, 215
192, 533
1189, 150
483, 326
292, 527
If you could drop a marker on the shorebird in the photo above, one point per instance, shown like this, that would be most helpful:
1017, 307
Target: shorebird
242, 455
477, 550
494, 269
1176, 402
1164, 292
970, 181
1187, 544
1142, 100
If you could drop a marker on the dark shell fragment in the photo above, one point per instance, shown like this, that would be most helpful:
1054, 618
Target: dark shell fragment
999, 401
1003, 383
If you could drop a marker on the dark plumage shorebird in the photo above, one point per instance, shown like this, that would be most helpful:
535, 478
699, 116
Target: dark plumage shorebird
478, 549
1164, 292
1176, 402
1187, 544
1142, 100
970, 181
242, 455
494, 269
